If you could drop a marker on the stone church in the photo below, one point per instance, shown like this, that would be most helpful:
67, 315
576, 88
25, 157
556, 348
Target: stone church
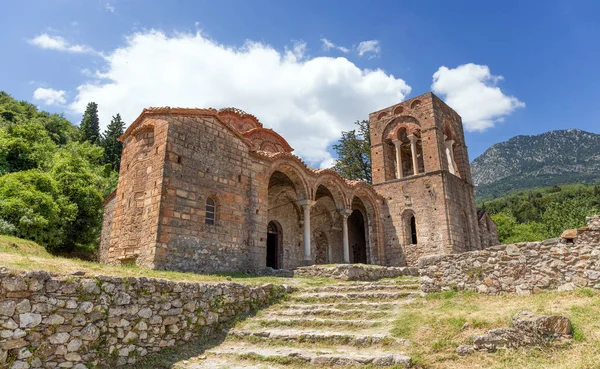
207, 190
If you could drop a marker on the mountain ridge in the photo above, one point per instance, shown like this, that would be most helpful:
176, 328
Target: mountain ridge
526, 161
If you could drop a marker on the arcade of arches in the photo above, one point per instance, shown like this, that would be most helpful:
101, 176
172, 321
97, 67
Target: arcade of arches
316, 225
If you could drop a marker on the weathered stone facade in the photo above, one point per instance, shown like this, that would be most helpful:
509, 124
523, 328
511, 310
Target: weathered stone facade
521, 268
51, 322
211, 191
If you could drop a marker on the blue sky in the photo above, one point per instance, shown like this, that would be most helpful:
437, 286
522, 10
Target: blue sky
311, 68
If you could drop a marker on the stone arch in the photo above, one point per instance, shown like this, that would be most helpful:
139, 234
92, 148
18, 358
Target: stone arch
267, 140
415, 104
382, 115
395, 134
398, 110
333, 185
294, 174
358, 233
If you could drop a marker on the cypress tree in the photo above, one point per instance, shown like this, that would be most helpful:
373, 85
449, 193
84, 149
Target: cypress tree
110, 141
90, 125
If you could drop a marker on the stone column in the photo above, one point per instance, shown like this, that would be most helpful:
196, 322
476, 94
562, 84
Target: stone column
450, 156
345, 214
413, 149
398, 145
306, 205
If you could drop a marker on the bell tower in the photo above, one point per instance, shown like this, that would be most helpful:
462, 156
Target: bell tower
421, 167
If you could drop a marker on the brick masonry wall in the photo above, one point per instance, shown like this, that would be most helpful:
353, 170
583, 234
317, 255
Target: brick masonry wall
204, 159
423, 196
521, 268
137, 202
49, 322
107, 221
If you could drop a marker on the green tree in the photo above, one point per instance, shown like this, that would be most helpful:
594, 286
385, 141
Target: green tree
82, 180
567, 214
90, 125
24, 146
110, 141
354, 153
32, 205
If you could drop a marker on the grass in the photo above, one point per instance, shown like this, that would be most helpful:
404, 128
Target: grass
18, 254
437, 324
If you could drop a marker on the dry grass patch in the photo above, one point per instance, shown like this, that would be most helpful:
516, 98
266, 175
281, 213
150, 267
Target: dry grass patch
437, 324
18, 254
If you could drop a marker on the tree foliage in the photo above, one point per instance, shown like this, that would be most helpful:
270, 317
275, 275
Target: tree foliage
51, 185
90, 124
110, 141
543, 213
354, 153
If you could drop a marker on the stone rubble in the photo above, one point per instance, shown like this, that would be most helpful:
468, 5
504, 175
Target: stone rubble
528, 330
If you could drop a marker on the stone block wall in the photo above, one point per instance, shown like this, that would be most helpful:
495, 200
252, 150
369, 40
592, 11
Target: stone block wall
50, 322
204, 159
135, 217
107, 222
521, 268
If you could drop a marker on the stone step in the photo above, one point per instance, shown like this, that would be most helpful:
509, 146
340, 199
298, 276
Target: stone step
365, 288
270, 322
366, 306
296, 337
321, 357
383, 282
352, 296
327, 312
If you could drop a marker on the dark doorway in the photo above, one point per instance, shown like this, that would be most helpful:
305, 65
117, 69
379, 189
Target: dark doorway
356, 236
273, 246
413, 230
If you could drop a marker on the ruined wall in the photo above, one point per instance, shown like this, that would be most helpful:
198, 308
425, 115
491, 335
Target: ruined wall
204, 159
107, 222
522, 268
137, 200
488, 231
80, 322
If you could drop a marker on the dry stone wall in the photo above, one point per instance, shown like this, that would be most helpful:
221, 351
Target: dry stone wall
522, 268
50, 322
355, 272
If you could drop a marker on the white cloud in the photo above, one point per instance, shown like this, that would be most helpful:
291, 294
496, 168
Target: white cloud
471, 90
46, 41
328, 45
369, 47
108, 6
49, 96
309, 101
328, 163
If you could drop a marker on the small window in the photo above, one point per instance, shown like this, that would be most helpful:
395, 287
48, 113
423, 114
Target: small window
210, 211
413, 230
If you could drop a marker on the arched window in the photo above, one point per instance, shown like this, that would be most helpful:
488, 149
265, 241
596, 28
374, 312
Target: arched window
413, 230
211, 210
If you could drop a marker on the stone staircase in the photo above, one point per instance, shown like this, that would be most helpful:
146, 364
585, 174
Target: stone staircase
344, 325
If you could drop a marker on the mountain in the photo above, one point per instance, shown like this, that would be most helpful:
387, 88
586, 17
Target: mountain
552, 158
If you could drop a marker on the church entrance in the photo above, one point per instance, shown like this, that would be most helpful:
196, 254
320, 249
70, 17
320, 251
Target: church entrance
273, 237
356, 233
